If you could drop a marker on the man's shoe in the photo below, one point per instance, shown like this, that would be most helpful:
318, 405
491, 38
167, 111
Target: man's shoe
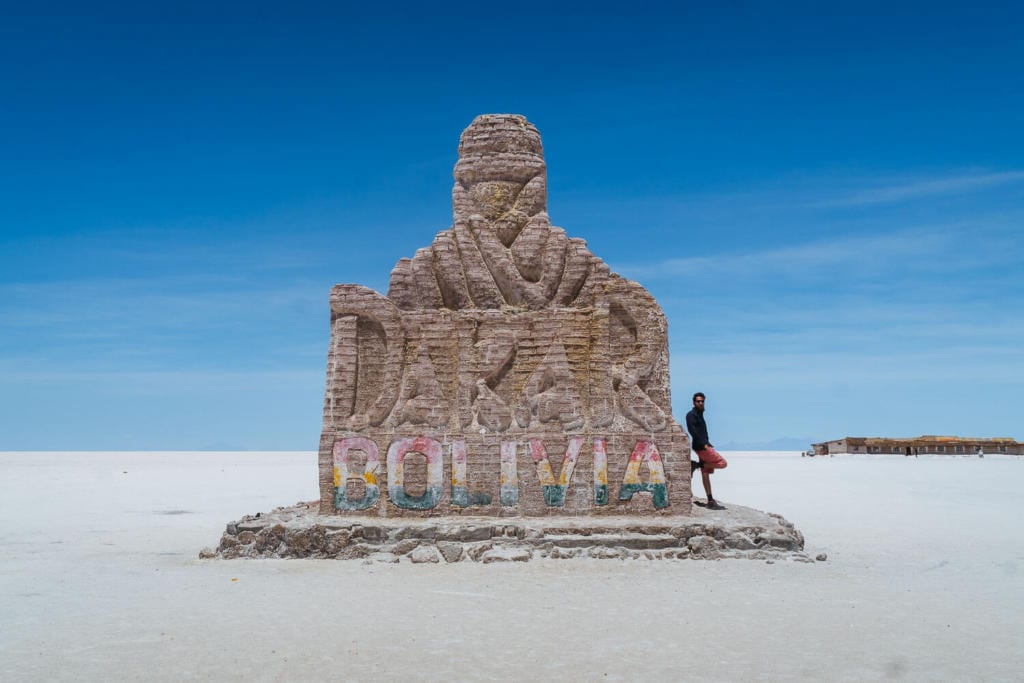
715, 505
694, 466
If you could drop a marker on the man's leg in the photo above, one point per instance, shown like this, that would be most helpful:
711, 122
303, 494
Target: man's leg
710, 461
705, 475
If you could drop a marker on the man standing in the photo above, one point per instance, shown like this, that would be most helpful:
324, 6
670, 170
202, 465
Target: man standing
710, 459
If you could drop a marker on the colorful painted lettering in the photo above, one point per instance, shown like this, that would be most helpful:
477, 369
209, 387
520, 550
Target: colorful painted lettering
509, 475
431, 450
461, 497
600, 471
554, 493
645, 452
342, 447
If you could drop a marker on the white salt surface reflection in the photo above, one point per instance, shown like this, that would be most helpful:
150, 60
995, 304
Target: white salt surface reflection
99, 580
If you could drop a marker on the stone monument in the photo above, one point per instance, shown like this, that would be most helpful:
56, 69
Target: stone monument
507, 371
508, 399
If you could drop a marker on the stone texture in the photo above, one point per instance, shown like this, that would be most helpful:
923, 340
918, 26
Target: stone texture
406, 546
703, 545
451, 551
301, 532
425, 553
506, 372
506, 554
740, 540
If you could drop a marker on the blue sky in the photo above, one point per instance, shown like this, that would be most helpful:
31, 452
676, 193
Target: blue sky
827, 200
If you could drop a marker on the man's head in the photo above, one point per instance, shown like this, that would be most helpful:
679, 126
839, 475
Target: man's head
698, 400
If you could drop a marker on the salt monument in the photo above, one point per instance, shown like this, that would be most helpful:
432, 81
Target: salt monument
506, 372
508, 399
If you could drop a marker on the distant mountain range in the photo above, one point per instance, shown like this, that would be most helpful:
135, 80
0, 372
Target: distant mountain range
785, 443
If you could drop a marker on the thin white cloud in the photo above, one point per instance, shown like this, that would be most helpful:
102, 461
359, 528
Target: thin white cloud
67, 374
176, 299
790, 194
989, 241
930, 367
911, 189
847, 250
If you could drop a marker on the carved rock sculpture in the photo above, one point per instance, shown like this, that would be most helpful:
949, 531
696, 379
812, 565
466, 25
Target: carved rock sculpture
503, 353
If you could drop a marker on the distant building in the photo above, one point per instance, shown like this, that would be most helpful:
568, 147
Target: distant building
919, 445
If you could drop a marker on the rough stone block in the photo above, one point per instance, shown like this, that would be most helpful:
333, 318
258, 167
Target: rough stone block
336, 541
703, 545
476, 551
425, 553
465, 533
740, 541
779, 539
506, 554
451, 551
406, 546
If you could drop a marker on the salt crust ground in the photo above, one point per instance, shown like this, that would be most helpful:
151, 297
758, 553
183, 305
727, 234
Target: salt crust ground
99, 580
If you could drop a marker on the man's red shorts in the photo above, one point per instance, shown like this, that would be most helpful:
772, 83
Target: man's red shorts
711, 459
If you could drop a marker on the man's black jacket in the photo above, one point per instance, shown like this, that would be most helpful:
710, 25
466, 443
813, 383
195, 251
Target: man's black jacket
698, 429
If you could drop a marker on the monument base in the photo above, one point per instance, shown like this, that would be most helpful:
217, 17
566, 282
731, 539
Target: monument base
299, 532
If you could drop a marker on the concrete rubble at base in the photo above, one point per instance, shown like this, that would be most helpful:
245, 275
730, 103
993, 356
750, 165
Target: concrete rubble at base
299, 532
